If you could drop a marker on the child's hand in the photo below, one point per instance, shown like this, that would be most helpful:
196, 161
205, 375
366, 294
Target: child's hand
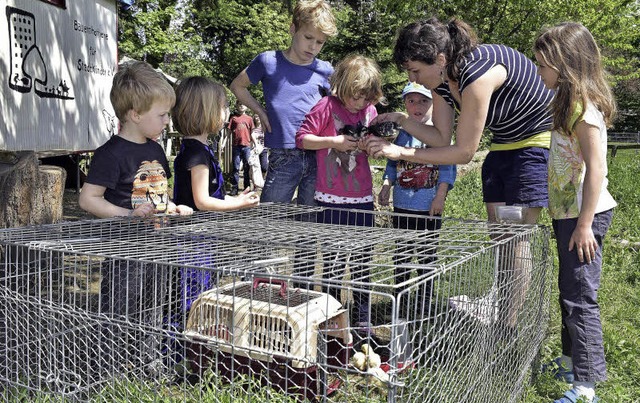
362, 144
345, 143
183, 210
437, 206
584, 242
383, 196
143, 210
264, 120
249, 198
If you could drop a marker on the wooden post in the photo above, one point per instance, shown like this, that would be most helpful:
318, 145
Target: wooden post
30, 193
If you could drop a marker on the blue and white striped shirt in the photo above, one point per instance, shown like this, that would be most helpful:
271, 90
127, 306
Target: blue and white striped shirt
519, 108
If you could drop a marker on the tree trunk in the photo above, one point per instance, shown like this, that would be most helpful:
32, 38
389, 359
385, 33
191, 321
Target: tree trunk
30, 193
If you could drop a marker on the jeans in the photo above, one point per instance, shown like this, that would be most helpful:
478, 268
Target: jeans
335, 270
578, 283
290, 169
240, 153
264, 160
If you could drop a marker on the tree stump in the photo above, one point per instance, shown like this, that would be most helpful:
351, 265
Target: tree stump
30, 193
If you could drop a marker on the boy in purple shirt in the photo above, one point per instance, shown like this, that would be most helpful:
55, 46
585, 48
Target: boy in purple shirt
292, 81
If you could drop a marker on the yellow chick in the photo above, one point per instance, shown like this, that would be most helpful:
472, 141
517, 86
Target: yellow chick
373, 359
359, 361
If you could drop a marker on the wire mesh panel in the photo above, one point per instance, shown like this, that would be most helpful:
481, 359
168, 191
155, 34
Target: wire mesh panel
271, 304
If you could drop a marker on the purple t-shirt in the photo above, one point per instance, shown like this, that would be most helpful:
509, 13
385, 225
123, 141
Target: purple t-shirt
290, 91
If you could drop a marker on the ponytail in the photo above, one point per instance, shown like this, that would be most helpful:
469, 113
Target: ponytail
462, 41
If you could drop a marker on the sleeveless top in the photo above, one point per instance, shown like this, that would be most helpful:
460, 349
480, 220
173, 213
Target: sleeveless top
519, 108
192, 153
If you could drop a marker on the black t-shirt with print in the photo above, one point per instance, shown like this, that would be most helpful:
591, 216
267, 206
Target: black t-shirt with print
132, 173
192, 153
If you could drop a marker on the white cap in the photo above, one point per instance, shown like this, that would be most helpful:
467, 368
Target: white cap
417, 88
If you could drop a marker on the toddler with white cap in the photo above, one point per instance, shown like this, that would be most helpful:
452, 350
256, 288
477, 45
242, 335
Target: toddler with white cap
418, 189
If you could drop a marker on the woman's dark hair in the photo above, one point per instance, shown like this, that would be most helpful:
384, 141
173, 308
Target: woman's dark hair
423, 40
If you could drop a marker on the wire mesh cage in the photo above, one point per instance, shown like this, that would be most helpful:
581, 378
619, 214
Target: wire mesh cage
270, 304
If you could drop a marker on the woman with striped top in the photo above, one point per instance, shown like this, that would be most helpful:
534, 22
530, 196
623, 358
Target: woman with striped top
490, 87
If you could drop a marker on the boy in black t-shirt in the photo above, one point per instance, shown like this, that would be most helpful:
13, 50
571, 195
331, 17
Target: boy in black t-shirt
128, 174
128, 177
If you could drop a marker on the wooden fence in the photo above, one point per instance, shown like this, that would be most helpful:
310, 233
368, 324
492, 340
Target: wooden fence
623, 140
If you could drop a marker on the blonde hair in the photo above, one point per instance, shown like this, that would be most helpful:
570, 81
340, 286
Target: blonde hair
316, 13
136, 86
200, 105
357, 75
570, 50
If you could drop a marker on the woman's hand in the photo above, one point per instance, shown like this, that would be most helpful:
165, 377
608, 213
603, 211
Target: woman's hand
397, 117
378, 147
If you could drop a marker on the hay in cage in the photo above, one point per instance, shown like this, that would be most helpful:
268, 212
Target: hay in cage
268, 303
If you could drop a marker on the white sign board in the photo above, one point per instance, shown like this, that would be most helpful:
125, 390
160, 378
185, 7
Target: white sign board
56, 69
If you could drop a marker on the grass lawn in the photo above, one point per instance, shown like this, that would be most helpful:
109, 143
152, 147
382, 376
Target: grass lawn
619, 295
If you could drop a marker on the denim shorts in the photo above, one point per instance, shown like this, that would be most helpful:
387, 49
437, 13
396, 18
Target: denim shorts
290, 169
516, 177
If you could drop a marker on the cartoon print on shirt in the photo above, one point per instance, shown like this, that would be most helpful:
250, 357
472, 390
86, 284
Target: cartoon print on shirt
150, 186
417, 176
338, 161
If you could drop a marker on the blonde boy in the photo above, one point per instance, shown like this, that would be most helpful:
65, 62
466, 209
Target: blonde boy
128, 174
293, 81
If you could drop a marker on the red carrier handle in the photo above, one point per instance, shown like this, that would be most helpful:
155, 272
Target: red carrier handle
261, 280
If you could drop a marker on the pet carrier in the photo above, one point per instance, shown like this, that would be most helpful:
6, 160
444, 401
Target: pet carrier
259, 325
